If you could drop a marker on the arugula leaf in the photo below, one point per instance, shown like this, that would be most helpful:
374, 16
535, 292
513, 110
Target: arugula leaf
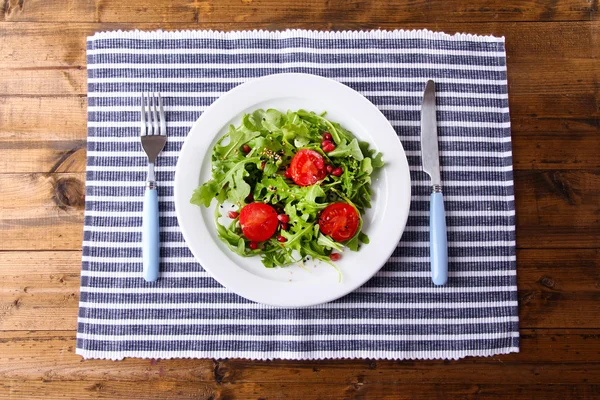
363, 238
351, 149
377, 161
203, 195
273, 120
237, 137
366, 166
328, 242
238, 188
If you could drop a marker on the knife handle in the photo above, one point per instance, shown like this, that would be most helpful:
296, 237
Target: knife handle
438, 242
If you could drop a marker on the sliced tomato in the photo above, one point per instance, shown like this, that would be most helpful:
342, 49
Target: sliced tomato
307, 168
259, 221
339, 220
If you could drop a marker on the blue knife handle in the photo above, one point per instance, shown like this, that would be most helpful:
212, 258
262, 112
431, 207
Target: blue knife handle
150, 235
438, 241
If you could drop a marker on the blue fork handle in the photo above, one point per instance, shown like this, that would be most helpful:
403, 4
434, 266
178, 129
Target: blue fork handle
438, 241
151, 235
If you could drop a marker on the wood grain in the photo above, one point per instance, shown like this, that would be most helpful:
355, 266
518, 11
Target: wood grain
358, 390
106, 390
558, 208
356, 11
41, 211
557, 289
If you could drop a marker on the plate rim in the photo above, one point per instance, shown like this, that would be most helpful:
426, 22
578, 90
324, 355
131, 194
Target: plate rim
205, 259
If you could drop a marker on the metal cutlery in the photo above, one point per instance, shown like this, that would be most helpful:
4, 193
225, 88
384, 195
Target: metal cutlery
438, 244
153, 137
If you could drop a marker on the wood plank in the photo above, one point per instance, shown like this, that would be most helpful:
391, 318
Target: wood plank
56, 156
43, 134
44, 81
108, 11
557, 289
39, 290
358, 11
106, 390
33, 356
48, 10
360, 390
35, 119
42, 211
33, 45
355, 390
555, 208
547, 152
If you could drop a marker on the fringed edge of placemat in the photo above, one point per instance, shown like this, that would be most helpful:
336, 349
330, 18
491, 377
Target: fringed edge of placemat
310, 34
265, 356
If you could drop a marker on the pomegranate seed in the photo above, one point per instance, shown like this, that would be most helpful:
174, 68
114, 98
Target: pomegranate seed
335, 256
262, 165
283, 218
337, 172
253, 245
233, 214
250, 198
327, 136
288, 173
328, 147
246, 149
329, 168
326, 142
284, 227
281, 239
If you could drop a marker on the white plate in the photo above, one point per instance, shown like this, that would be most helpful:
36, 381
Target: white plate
317, 283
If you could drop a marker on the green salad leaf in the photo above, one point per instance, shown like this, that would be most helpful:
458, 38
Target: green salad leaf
249, 164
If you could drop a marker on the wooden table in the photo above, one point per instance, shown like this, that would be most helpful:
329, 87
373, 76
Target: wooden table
553, 71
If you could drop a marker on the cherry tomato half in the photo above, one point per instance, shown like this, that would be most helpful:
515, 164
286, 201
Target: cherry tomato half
307, 168
339, 220
259, 221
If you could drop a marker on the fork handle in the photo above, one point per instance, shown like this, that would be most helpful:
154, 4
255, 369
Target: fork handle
151, 233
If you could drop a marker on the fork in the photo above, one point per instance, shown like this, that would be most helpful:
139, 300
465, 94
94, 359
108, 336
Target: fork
153, 137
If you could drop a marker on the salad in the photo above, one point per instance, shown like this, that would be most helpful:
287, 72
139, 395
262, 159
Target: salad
298, 184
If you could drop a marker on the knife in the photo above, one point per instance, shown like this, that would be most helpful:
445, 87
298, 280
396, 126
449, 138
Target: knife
438, 245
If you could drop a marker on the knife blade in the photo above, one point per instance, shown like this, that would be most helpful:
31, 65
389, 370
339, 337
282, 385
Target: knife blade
438, 244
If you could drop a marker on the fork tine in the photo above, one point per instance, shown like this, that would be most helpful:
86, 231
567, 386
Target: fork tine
155, 114
149, 124
143, 129
149, 114
163, 120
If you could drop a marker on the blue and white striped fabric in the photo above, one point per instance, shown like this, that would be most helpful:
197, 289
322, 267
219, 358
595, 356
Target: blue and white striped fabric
398, 314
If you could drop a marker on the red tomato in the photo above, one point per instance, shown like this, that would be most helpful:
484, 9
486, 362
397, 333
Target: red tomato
339, 220
259, 221
335, 256
307, 168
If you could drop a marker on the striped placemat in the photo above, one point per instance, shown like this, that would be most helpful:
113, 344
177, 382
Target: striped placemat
399, 313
